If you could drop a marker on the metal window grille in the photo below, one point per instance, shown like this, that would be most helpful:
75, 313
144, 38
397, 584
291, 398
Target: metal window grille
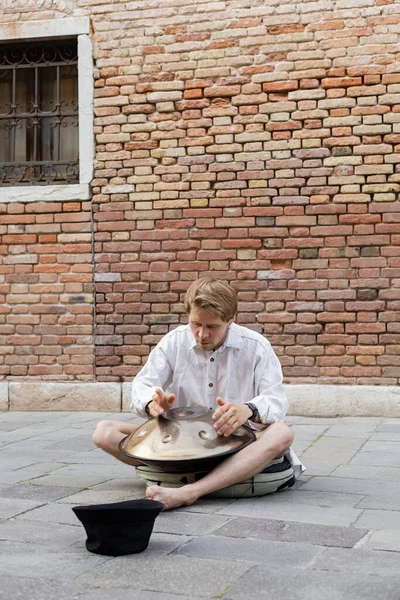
39, 125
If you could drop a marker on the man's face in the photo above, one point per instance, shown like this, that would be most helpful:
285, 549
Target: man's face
209, 329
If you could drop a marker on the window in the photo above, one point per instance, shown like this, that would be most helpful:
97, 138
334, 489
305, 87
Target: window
46, 112
39, 113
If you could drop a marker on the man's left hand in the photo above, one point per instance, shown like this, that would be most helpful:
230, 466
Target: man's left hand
230, 416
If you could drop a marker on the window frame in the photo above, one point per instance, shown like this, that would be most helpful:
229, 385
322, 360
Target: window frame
68, 27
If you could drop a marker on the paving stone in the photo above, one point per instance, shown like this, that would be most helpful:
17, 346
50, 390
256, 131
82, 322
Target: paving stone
386, 539
92, 496
392, 426
326, 454
355, 486
51, 513
269, 509
41, 493
52, 536
77, 475
165, 543
380, 446
376, 459
128, 593
385, 436
312, 584
10, 507
90, 457
252, 550
379, 519
37, 470
368, 472
188, 523
169, 574
359, 561
308, 432
207, 505
309, 533
19, 588
350, 430
296, 497
60, 566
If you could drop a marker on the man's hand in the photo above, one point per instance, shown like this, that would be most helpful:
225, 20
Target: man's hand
160, 403
230, 416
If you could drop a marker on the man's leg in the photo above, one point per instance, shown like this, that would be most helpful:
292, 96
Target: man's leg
108, 435
271, 443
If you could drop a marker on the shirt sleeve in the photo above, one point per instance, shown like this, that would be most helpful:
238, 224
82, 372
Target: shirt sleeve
156, 373
271, 398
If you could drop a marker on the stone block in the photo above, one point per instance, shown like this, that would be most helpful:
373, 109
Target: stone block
126, 396
252, 550
27, 395
309, 533
187, 523
343, 400
175, 574
3, 395
313, 584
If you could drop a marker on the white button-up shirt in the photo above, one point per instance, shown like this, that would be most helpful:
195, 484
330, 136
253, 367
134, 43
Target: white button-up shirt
243, 369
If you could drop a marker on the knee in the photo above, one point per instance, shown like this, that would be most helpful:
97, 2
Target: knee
101, 433
283, 436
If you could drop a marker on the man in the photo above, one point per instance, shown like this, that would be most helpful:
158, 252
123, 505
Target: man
212, 363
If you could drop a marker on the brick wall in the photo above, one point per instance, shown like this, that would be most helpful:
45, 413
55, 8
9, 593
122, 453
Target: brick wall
46, 291
259, 142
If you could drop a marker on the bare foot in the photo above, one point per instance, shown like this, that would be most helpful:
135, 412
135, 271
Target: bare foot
170, 497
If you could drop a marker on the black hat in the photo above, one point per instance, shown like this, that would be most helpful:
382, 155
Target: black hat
118, 528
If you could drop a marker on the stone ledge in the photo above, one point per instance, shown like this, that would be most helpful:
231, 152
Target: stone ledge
344, 401
27, 395
304, 400
3, 395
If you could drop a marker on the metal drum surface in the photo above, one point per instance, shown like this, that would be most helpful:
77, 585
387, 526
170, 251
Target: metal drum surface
183, 439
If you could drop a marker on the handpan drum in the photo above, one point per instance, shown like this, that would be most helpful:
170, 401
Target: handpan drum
183, 439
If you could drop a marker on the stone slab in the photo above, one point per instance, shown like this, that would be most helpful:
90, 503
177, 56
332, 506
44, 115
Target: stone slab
269, 509
382, 446
251, 550
128, 593
361, 560
368, 472
19, 588
188, 523
168, 574
376, 459
379, 519
367, 487
11, 507
77, 475
3, 395
385, 539
41, 493
52, 537
51, 513
343, 400
309, 533
60, 566
312, 584
48, 396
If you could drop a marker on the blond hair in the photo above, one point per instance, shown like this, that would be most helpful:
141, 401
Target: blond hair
214, 295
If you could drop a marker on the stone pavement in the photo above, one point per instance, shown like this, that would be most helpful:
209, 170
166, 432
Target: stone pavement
335, 535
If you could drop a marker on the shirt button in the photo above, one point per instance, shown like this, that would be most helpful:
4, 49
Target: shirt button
212, 359
210, 385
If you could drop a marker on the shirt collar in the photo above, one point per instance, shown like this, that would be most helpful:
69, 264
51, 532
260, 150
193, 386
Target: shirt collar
232, 340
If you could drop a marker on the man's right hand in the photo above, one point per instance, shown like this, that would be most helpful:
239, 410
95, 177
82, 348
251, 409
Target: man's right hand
160, 403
